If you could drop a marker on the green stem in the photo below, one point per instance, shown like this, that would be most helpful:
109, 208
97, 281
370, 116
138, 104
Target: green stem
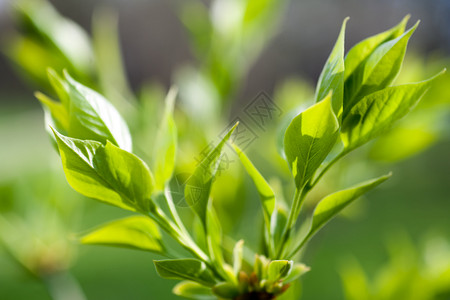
327, 167
185, 241
296, 204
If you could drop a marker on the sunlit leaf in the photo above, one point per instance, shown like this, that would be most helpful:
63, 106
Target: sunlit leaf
296, 271
378, 70
198, 186
226, 290
106, 173
55, 113
136, 232
166, 144
93, 117
238, 253
376, 113
193, 290
63, 34
331, 205
309, 138
361, 51
332, 77
262, 186
185, 269
279, 269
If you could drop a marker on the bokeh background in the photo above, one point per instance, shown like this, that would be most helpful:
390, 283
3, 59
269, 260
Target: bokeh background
412, 209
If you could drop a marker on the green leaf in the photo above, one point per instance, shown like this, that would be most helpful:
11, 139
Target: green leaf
57, 33
331, 205
226, 290
279, 269
61, 88
278, 222
166, 144
214, 237
377, 71
198, 186
55, 113
262, 186
193, 290
296, 271
92, 117
332, 76
358, 54
309, 138
185, 269
238, 253
377, 112
106, 173
136, 232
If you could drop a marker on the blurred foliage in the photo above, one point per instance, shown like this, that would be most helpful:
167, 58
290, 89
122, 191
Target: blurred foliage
226, 37
411, 272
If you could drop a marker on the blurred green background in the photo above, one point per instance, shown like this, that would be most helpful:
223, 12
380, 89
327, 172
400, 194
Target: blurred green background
400, 219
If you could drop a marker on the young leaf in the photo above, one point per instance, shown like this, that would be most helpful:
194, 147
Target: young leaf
278, 222
193, 290
198, 186
376, 113
55, 113
60, 86
106, 173
297, 271
166, 144
358, 54
214, 237
185, 269
332, 76
238, 253
264, 190
93, 117
226, 290
309, 138
279, 269
378, 70
136, 232
331, 205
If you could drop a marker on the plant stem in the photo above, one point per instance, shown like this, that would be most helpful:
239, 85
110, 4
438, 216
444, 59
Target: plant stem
327, 167
299, 198
296, 203
185, 241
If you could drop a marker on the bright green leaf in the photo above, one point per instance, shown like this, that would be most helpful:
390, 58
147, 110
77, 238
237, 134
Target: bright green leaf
378, 70
136, 232
297, 271
238, 253
55, 113
376, 113
358, 54
226, 290
331, 205
279, 269
198, 186
193, 290
332, 76
262, 186
185, 269
309, 138
93, 117
106, 173
166, 144
61, 88
58, 32
278, 222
